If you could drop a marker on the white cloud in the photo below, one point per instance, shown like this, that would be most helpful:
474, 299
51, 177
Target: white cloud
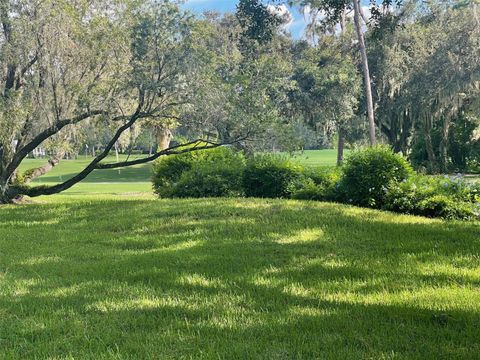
283, 13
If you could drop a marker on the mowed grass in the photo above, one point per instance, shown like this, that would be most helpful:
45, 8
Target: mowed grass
134, 179
106, 271
69, 168
318, 158
118, 277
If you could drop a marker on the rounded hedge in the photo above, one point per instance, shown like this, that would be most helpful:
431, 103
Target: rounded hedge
206, 173
368, 173
272, 176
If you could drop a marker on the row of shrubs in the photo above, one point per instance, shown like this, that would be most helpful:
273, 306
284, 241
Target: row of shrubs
373, 177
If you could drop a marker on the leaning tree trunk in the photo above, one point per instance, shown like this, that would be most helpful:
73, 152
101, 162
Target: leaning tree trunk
31, 175
366, 71
8, 193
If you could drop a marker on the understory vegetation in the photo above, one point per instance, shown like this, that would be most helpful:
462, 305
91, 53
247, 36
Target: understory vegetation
373, 177
233, 278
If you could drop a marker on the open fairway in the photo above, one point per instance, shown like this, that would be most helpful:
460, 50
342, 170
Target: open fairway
317, 158
103, 277
69, 168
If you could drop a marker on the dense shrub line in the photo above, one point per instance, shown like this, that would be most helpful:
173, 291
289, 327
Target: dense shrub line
372, 177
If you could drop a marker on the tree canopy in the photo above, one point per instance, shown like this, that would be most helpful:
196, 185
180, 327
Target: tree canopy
103, 75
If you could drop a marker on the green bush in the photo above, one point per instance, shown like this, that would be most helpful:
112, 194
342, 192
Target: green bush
272, 176
446, 197
168, 170
446, 207
367, 174
319, 184
372, 177
208, 173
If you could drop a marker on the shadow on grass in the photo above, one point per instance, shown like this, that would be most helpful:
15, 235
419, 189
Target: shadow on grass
236, 279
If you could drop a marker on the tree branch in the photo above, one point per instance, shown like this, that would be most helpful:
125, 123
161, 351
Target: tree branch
362, 14
198, 144
32, 174
49, 190
45, 134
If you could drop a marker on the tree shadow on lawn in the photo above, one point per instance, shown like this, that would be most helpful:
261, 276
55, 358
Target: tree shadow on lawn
236, 278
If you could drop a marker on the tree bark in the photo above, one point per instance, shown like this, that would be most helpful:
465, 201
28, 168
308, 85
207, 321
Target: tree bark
116, 152
366, 71
444, 144
42, 170
473, 5
432, 159
341, 146
8, 194
164, 137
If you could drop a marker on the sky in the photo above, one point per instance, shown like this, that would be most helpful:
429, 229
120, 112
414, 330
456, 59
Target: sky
296, 27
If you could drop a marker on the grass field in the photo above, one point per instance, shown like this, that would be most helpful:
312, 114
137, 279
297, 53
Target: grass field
130, 180
106, 271
104, 277
318, 158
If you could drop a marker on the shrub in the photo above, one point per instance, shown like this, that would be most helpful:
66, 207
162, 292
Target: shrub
213, 173
319, 184
167, 171
271, 176
446, 197
367, 174
446, 207
209, 178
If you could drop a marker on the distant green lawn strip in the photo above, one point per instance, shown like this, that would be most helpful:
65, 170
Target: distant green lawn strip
142, 173
68, 168
317, 158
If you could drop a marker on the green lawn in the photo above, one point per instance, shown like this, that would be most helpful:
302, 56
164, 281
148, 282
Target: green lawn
318, 158
68, 168
121, 277
106, 271
130, 180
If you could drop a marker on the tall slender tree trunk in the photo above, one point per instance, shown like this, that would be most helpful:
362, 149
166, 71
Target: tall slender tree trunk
366, 71
444, 144
432, 159
341, 146
117, 157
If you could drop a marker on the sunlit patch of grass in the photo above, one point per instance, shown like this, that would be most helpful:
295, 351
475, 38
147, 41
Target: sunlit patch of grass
306, 235
34, 260
102, 277
199, 280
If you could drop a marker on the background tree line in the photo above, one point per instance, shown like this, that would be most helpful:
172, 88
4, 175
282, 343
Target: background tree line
126, 75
